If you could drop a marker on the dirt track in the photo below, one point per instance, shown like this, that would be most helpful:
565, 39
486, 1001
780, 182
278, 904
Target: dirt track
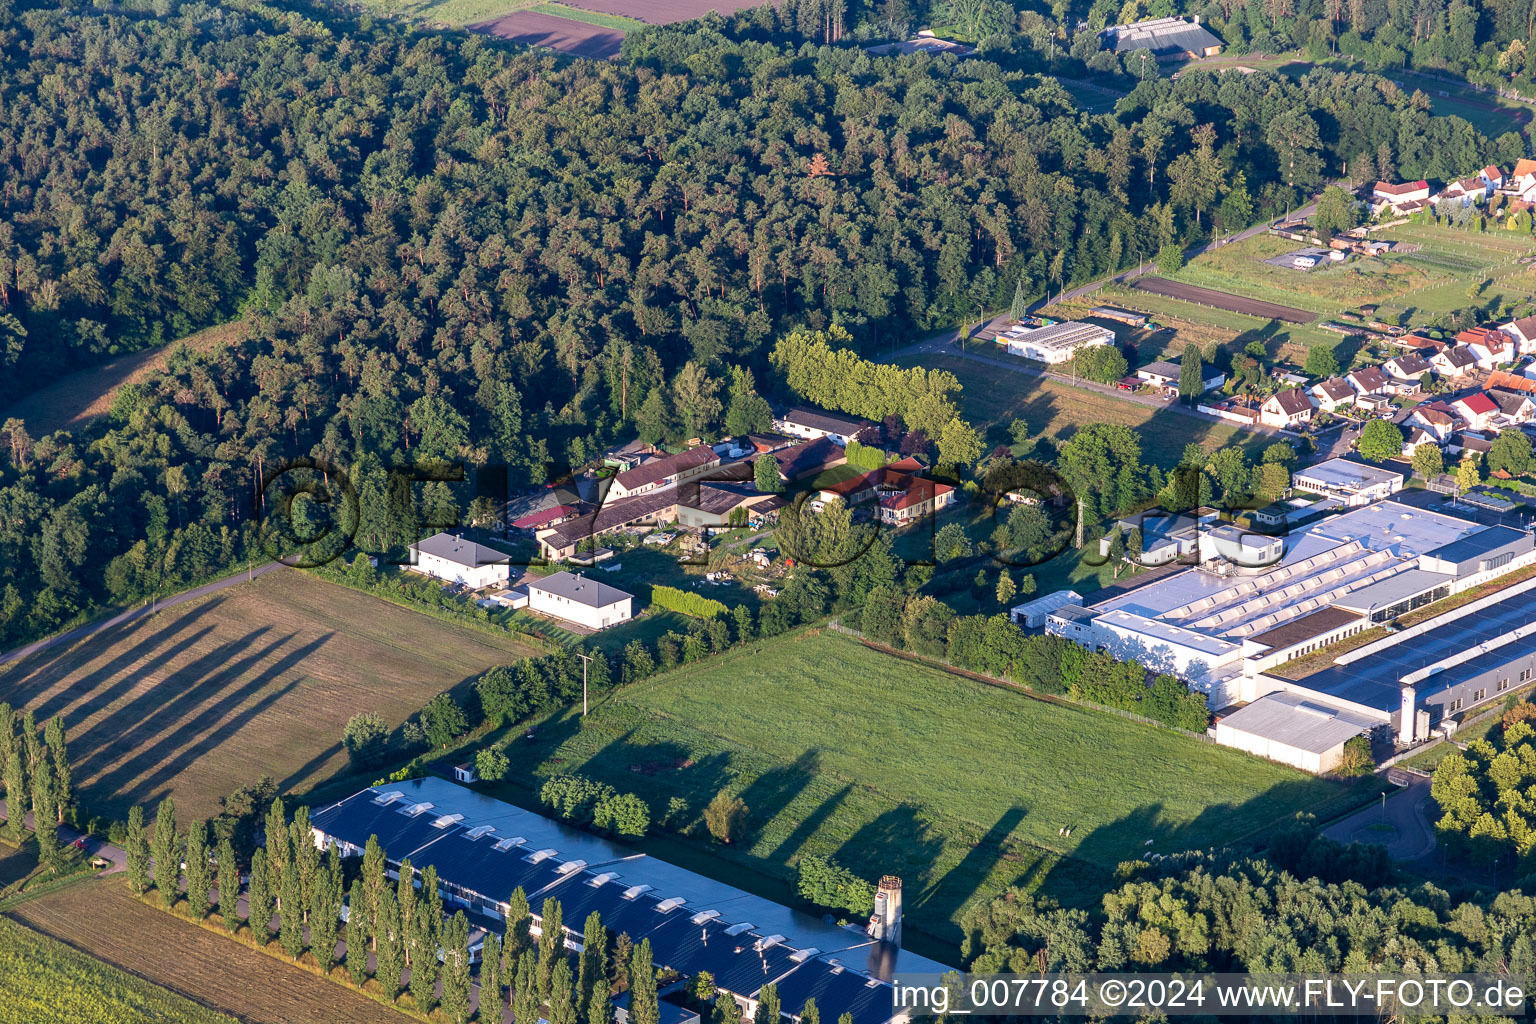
1223, 300
561, 34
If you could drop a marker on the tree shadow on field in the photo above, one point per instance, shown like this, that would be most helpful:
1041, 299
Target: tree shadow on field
184, 740
899, 841
98, 691
958, 885
809, 826
25, 680
771, 792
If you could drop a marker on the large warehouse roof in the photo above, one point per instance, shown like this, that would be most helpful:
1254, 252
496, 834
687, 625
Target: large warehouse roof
694, 923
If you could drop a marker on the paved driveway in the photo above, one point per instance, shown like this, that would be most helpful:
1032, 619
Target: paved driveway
1409, 820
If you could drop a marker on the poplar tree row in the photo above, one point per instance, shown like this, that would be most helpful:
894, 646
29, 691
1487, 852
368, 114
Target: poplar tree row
35, 770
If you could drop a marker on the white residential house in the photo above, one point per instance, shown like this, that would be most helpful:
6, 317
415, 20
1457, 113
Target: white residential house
1402, 199
1415, 436
1435, 419
1289, 408
449, 557
1521, 182
1476, 410
1523, 331
1492, 177
1515, 407
1408, 367
1453, 361
1369, 380
1488, 347
1333, 393
814, 424
576, 598
1469, 190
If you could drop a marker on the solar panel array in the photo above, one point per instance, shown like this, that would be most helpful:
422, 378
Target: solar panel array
480, 868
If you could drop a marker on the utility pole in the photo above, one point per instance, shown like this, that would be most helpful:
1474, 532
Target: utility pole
584, 659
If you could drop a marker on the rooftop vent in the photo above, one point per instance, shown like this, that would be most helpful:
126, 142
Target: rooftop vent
767, 942
571, 866
508, 843
416, 810
447, 820
481, 830
671, 903
602, 879
635, 890
541, 855
737, 929
800, 956
385, 799
705, 915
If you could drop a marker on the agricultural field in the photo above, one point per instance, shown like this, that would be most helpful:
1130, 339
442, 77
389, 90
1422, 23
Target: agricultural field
895, 767
101, 918
258, 679
44, 981
992, 398
74, 399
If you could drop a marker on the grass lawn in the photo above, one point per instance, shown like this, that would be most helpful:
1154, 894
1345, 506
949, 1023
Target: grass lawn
258, 679
897, 767
991, 398
599, 18
457, 13
101, 918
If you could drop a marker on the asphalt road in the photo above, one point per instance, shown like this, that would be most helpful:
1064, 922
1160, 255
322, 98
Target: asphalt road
135, 613
1409, 815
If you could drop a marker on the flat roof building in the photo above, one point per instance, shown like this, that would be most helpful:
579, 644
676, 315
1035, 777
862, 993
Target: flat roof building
1295, 729
1351, 482
483, 848
1056, 343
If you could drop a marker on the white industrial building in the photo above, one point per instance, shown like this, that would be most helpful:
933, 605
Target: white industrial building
1352, 482
1056, 343
449, 557
576, 598
1243, 604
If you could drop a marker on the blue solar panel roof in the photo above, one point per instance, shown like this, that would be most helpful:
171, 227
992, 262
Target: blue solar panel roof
836, 992
1374, 681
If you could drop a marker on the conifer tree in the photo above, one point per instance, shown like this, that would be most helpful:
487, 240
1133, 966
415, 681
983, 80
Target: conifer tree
199, 877
809, 1014
406, 903
291, 924
519, 918
63, 788
258, 899
229, 886
424, 963
325, 917
562, 993
592, 969
359, 931
45, 823
389, 960
136, 845
456, 983
525, 990
17, 795
767, 1005
551, 945
490, 980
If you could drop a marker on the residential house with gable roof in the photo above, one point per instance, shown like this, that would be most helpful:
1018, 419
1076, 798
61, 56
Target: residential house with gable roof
1289, 408
1333, 393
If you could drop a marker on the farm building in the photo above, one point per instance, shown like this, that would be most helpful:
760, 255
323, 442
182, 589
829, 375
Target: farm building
663, 472
449, 557
573, 597
483, 849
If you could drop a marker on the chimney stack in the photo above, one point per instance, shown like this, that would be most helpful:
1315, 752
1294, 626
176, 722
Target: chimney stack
885, 922
1408, 716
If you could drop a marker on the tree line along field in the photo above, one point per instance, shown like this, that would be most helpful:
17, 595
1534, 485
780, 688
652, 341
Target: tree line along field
44, 981
893, 766
176, 960
257, 680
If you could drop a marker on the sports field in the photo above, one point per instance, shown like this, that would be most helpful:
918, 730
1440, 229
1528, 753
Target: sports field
895, 767
257, 680
101, 918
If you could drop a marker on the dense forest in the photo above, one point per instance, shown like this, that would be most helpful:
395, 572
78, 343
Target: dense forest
448, 249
